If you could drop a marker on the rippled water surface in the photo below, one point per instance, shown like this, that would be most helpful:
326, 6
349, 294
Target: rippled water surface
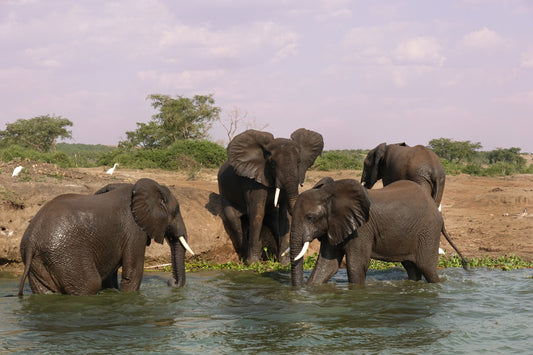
480, 311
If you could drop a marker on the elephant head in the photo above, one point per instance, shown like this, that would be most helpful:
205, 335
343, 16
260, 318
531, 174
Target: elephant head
275, 162
332, 210
372, 171
157, 212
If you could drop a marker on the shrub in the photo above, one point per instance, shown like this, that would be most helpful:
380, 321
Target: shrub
340, 160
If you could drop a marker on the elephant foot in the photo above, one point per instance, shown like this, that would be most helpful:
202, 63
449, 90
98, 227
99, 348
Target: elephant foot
173, 283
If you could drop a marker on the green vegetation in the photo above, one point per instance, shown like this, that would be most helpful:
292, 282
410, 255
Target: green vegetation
185, 154
39, 133
506, 263
462, 157
175, 139
340, 160
178, 119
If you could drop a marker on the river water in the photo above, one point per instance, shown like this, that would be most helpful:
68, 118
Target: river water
477, 311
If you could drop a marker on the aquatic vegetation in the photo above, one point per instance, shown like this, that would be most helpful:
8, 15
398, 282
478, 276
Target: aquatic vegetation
508, 262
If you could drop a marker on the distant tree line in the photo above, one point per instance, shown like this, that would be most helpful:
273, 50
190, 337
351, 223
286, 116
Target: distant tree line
176, 138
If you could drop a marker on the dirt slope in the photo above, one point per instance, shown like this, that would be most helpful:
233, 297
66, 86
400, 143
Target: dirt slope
484, 216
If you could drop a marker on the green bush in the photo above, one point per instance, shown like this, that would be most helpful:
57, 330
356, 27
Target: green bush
340, 160
185, 154
15, 152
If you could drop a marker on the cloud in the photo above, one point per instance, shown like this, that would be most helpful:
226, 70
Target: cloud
278, 41
420, 50
483, 39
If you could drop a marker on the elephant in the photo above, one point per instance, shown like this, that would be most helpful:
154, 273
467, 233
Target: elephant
396, 223
76, 243
258, 185
399, 161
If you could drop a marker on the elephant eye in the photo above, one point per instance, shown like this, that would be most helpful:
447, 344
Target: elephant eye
310, 217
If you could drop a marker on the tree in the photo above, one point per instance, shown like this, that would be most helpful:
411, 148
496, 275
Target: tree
235, 118
509, 156
39, 133
450, 150
177, 119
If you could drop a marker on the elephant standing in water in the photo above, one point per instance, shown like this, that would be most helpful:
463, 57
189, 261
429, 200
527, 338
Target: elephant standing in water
399, 161
259, 186
397, 223
76, 243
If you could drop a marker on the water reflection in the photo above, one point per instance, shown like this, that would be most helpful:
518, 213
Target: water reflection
229, 312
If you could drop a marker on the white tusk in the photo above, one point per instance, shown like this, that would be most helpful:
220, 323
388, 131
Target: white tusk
286, 251
440, 207
304, 249
185, 245
276, 197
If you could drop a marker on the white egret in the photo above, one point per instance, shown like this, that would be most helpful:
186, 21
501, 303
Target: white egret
110, 171
16, 171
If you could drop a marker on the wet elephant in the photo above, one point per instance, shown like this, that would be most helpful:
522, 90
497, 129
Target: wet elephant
398, 223
76, 243
259, 185
393, 162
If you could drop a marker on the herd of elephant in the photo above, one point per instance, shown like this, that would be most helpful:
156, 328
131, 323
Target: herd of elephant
76, 243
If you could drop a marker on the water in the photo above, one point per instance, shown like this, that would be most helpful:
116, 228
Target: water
478, 311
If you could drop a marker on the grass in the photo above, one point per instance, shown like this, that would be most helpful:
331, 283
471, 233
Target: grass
506, 263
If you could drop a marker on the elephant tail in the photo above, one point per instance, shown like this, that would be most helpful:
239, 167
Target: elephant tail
27, 262
463, 260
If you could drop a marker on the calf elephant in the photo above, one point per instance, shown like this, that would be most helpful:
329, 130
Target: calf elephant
76, 243
396, 223
259, 186
401, 162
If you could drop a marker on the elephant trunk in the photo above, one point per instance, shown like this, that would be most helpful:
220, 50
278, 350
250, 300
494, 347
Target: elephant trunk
297, 264
177, 251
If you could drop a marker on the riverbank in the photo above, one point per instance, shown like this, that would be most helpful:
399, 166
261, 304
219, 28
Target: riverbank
484, 216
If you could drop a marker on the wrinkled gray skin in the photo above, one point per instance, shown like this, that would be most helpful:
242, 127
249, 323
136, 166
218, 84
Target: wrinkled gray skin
396, 223
76, 243
257, 164
399, 161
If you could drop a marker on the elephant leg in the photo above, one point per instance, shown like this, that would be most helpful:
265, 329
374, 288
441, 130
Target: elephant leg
232, 220
328, 263
430, 272
84, 281
358, 252
256, 215
413, 273
111, 281
132, 267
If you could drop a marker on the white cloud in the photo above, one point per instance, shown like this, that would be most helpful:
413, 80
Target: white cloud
483, 39
420, 50
236, 42
187, 79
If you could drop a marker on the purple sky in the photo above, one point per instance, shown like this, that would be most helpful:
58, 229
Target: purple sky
359, 72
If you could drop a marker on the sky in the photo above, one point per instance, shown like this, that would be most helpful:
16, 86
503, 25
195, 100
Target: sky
358, 72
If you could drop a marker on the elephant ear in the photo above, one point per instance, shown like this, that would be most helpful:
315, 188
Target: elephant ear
376, 156
246, 153
110, 187
348, 209
323, 182
311, 145
149, 208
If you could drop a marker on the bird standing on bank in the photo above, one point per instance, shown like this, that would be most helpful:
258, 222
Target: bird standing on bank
110, 171
16, 171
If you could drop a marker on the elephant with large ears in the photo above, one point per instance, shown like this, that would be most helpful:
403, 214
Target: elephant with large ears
259, 186
397, 223
76, 243
393, 162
